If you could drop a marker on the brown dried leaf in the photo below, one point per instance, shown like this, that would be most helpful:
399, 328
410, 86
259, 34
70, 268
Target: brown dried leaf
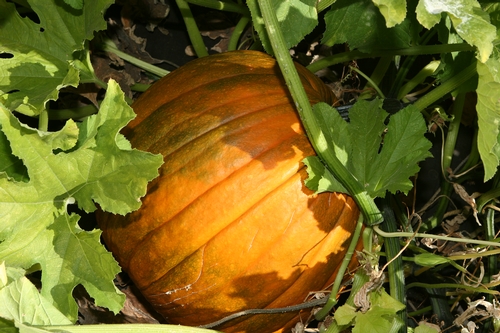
150, 12
479, 308
123, 76
460, 190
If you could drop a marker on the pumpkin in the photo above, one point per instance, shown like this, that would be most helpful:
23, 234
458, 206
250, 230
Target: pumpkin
229, 225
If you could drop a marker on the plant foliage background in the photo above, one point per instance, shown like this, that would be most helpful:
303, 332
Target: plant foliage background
86, 162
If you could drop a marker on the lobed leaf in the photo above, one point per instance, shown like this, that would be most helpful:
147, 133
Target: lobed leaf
361, 25
77, 257
36, 228
20, 302
381, 157
493, 9
37, 57
469, 20
404, 146
381, 317
488, 115
297, 18
394, 11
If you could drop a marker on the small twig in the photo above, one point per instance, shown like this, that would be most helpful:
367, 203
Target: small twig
291, 308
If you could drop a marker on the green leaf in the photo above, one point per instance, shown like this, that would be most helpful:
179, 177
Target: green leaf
378, 320
76, 4
423, 328
366, 130
452, 65
35, 225
7, 326
345, 314
469, 20
430, 259
493, 9
296, 18
20, 302
319, 178
94, 269
10, 165
385, 301
360, 24
394, 11
380, 161
404, 146
37, 56
488, 113
382, 315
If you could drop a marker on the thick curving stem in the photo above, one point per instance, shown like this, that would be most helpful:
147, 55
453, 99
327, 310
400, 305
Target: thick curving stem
319, 139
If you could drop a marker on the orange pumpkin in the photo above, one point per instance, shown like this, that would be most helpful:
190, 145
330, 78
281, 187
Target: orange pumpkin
229, 225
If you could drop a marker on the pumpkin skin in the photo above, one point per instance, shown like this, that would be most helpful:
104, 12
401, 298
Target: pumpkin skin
229, 225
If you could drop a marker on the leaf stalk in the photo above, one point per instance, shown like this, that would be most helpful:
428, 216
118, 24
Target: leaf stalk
318, 138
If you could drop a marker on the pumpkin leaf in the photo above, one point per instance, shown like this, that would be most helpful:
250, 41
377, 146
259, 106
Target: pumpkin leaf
488, 112
297, 18
380, 317
493, 9
20, 302
10, 165
37, 57
424, 328
470, 22
76, 4
394, 11
319, 178
36, 228
343, 26
381, 157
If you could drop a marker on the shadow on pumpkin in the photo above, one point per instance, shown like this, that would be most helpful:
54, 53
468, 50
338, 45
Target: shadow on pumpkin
252, 291
230, 196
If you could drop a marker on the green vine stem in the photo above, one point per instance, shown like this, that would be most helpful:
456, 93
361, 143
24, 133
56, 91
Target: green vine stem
445, 238
108, 46
408, 62
237, 32
473, 158
447, 154
412, 50
140, 87
452, 285
76, 113
376, 77
439, 303
359, 281
222, 5
318, 138
425, 72
369, 80
192, 29
492, 262
446, 87
43, 121
395, 269
487, 197
452, 135
332, 300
